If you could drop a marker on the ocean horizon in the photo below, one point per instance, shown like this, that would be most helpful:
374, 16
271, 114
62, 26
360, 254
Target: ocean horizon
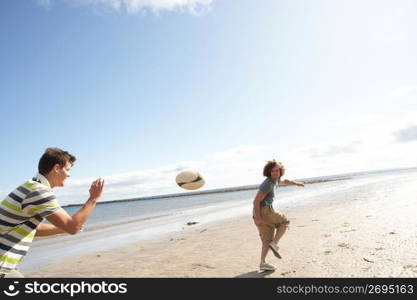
308, 180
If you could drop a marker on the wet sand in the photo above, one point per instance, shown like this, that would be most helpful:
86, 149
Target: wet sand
366, 231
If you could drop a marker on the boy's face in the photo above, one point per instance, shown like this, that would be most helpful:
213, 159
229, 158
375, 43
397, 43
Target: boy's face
275, 173
60, 174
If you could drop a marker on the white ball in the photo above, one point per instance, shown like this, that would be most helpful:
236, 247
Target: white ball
190, 180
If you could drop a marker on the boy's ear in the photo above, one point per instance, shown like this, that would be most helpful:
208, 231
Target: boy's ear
56, 167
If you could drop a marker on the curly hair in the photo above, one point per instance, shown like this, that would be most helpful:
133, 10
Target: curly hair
270, 164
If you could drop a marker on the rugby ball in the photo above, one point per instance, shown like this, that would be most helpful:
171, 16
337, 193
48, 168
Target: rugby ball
190, 180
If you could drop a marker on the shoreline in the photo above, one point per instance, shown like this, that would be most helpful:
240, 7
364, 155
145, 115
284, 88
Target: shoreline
353, 234
309, 180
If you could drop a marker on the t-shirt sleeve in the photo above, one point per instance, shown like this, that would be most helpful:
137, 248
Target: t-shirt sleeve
41, 202
266, 187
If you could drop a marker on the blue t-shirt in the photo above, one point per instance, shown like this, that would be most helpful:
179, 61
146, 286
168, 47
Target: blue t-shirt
268, 187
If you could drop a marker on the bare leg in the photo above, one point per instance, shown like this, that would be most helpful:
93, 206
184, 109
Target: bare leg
264, 252
279, 233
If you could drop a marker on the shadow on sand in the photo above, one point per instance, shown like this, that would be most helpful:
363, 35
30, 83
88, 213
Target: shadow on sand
255, 274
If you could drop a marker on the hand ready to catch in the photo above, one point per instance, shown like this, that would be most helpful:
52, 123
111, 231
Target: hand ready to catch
96, 189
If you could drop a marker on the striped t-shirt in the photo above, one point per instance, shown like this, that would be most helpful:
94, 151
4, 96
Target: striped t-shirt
20, 214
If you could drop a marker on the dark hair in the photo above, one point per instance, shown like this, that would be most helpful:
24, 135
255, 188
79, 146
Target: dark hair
53, 156
270, 164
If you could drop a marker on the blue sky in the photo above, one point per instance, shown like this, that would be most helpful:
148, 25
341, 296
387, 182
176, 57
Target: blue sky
139, 90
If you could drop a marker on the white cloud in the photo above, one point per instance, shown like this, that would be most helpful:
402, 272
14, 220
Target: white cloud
192, 6
376, 127
334, 149
45, 3
129, 185
137, 6
406, 135
401, 91
239, 165
368, 142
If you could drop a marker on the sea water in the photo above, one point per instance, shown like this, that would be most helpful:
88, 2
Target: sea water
116, 224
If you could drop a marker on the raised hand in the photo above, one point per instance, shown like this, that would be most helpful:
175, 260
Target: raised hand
96, 188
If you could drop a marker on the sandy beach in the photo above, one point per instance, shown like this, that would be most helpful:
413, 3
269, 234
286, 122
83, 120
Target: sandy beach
368, 231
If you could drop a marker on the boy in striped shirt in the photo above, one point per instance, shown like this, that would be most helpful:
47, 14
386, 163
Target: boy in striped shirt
23, 210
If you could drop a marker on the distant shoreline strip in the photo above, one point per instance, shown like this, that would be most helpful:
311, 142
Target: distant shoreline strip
215, 191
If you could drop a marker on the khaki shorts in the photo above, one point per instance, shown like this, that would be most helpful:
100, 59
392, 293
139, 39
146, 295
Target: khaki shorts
273, 219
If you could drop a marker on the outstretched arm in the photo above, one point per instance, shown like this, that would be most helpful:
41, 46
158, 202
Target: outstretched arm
289, 182
48, 229
63, 222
